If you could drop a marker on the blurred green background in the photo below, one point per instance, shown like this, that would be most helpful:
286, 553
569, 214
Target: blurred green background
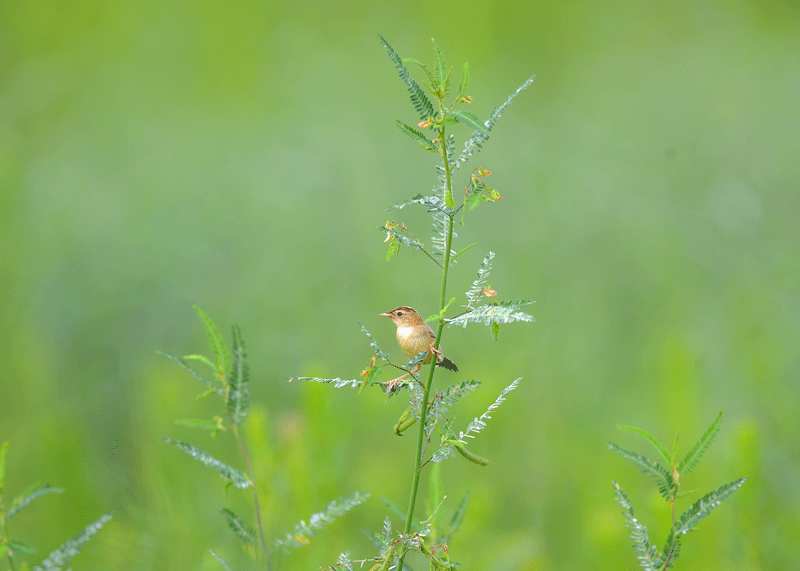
236, 155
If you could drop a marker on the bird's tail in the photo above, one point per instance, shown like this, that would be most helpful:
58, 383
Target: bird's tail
447, 364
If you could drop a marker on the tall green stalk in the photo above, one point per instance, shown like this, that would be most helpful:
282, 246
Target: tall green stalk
425, 400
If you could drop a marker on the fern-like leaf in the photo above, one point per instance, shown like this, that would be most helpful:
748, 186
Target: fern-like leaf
444, 400
423, 141
238, 393
374, 344
219, 558
432, 203
463, 84
337, 382
476, 291
318, 521
473, 428
401, 238
211, 385
503, 312
418, 98
458, 516
28, 497
228, 473
69, 549
469, 119
442, 75
664, 480
478, 138
694, 455
238, 526
647, 554
222, 357
702, 507
660, 448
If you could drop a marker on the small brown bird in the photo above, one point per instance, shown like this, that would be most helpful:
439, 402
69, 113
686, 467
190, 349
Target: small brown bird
414, 336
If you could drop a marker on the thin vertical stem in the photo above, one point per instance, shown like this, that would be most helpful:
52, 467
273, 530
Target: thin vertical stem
424, 410
256, 502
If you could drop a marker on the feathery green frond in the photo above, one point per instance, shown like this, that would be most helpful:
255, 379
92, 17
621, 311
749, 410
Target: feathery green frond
458, 515
210, 384
418, 98
423, 141
318, 521
694, 455
374, 344
702, 507
337, 382
441, 73
463, 84
219, 558
503, 312
232, 475
479, 423
660, 448
664, 480
402, 238
69, 549
478, 138
444, 400
446, 450
238, 526
647, 554
17, 546
28, 497
218, 346
476, 291
238, 393
466, 118
432, 203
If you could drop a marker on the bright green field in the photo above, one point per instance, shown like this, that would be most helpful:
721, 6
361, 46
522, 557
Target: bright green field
155, 155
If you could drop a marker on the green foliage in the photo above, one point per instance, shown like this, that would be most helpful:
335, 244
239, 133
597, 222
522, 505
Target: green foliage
28, 497
238, 526
421, 102
222, 358
479, 137
668, 481
691, 459
300, 535
238, 393
500, 312
228, 473
11, 546
212, 387
69, 549
450, 441
233, 376
427, 406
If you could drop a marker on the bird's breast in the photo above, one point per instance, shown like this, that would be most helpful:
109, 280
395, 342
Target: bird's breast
413, 340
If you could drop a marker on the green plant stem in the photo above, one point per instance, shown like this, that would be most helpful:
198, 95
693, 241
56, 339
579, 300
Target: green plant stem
256, 503
674, 535
424, 411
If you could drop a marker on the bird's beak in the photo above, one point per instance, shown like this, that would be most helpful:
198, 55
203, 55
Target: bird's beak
385, 314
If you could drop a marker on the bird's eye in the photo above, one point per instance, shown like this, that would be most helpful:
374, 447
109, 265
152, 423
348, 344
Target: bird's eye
399, 314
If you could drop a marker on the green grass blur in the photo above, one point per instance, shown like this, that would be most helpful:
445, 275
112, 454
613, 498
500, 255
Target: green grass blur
236, 155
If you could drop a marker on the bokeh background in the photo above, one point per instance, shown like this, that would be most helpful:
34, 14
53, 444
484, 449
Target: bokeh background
155, 155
